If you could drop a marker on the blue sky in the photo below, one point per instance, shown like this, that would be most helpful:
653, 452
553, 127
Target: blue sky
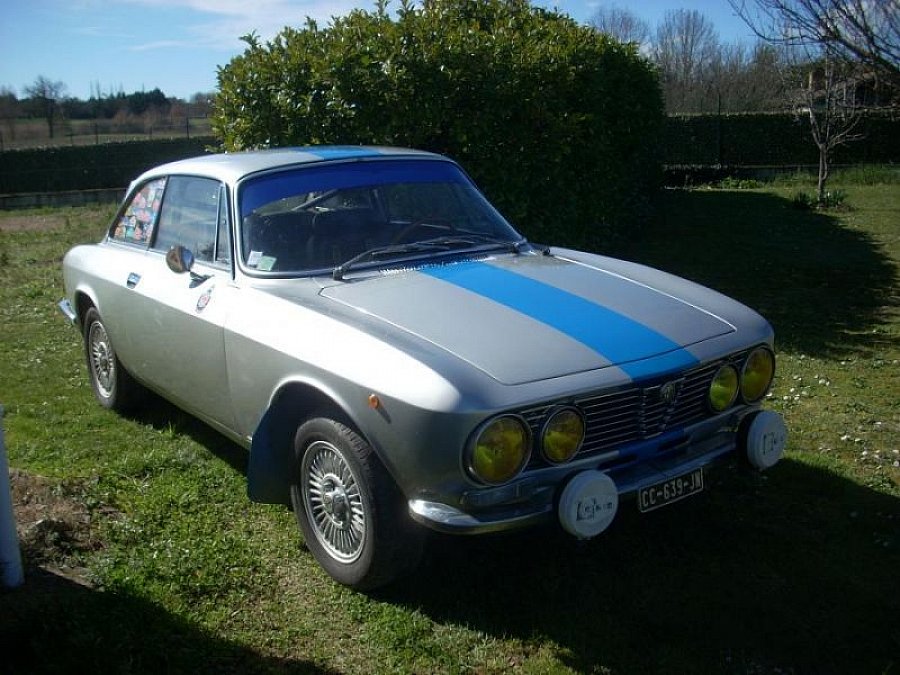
176, 45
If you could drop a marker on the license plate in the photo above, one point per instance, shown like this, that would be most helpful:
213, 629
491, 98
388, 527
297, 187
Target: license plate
668, 491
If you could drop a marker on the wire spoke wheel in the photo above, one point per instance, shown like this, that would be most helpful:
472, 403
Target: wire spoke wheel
113, 387
333, 502
102, 359
353, 518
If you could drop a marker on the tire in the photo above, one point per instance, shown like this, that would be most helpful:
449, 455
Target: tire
113, 386
352, 515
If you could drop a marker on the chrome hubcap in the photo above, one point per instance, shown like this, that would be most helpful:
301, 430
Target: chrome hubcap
333, 503
103, 364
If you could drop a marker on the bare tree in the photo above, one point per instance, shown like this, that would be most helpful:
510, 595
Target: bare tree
761, 83
45, 95
621, 24
685, 48
861, 31
824, 90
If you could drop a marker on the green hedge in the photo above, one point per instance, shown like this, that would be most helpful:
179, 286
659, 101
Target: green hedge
112, 165
558, 124
771, 139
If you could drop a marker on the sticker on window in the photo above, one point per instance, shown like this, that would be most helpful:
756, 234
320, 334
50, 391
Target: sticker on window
253, 258
136, 224
266, 263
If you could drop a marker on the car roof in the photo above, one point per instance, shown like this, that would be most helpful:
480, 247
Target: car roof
230, 167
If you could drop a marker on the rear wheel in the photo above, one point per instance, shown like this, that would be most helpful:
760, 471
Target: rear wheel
352, 515
113, 387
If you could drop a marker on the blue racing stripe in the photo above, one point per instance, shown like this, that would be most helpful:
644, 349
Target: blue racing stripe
625, 342
340, 152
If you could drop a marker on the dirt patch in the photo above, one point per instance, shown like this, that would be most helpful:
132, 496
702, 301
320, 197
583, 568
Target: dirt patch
35, 223
53, 524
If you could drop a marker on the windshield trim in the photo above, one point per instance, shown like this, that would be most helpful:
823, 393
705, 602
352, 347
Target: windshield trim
453, 173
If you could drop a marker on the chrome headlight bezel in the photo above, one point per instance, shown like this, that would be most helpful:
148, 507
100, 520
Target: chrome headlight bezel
736, 386
770, 355
554, 414
471, 454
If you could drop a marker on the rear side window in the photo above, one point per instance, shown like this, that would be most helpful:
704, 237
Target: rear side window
135, 225
190, 216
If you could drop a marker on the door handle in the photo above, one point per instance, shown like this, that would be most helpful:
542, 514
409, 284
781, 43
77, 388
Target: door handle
133, 280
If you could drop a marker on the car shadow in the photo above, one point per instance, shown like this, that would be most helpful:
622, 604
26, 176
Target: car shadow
760, 574
164, 416
823, 286
53, 624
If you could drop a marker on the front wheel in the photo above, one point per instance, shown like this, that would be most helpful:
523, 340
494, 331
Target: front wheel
352, 515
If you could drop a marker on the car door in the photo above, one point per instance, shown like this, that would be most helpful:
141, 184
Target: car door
176, 326
125, 265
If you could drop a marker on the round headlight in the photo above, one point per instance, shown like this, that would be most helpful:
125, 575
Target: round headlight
724, 388
500, 449
757, 374
562, 435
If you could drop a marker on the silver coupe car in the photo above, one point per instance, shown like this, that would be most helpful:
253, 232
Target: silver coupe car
397, 358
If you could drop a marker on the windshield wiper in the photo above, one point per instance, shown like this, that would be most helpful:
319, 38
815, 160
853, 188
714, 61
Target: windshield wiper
474, 238
388, 250
437, 244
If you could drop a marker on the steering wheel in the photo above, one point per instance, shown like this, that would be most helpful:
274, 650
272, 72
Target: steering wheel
431, 223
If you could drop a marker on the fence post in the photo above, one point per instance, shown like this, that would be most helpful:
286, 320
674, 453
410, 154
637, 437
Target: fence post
11, 574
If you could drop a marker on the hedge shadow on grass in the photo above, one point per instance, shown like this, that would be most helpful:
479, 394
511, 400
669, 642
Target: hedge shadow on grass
823, 286
790, 571
55, 625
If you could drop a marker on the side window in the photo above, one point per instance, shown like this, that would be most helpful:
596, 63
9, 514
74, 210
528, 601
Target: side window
136, 223
189, 216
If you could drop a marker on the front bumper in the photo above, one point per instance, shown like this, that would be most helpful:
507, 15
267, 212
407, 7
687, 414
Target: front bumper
534, 499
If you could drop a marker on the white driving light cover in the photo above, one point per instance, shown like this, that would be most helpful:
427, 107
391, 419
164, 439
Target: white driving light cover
765, 439
588, 504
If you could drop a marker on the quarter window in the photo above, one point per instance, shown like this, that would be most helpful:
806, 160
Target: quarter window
136, 223
223, 241
190, 216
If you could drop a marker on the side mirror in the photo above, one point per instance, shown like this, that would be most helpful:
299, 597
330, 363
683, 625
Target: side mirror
180, 259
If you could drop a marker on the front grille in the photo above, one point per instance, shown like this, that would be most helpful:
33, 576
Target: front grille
635, 413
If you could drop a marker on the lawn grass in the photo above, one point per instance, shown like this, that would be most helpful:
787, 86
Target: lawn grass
791, 571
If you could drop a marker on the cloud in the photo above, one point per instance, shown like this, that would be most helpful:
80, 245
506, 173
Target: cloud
226, 20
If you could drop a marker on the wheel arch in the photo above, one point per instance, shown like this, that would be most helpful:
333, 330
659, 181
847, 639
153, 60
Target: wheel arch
83, 302
270, 464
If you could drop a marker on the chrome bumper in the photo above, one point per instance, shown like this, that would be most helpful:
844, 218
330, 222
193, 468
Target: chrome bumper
533, 501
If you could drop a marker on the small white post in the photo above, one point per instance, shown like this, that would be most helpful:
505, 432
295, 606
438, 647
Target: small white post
11, 574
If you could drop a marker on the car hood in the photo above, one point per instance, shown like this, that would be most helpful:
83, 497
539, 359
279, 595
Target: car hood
523, 318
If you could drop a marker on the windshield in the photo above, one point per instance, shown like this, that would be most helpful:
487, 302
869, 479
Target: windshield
316, 218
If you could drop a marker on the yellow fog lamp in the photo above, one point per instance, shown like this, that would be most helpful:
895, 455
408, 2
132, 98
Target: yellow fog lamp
724, 388
757, 374
563, 435
499, 449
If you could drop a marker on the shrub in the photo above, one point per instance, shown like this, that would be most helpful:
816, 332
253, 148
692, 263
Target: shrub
531, 103
112, 165
771, 139
832, 199
732, 183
